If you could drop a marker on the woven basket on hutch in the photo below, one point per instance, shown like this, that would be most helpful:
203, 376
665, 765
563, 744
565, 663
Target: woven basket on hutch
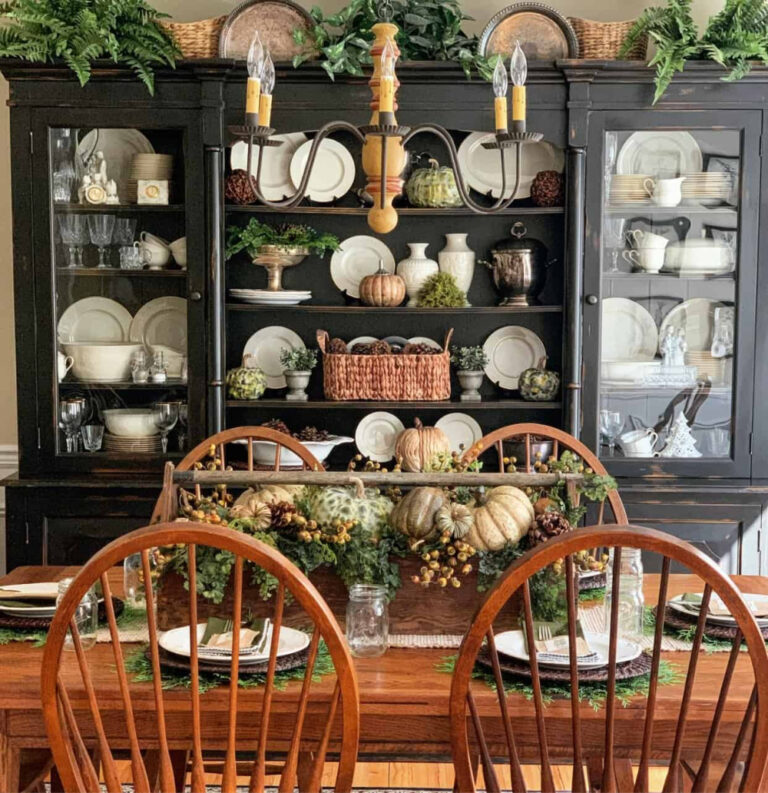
402, 378
197, 39
603, 40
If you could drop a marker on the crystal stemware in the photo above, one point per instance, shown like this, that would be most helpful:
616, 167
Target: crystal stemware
183, 424
64, 178
101, 228
611, 423
71, 416
614, 237
165, 414
72, 229
124, 231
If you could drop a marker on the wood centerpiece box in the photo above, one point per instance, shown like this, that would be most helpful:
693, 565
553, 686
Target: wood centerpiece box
414, 610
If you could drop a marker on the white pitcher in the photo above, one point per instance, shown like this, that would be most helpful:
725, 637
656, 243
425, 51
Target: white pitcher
665, 192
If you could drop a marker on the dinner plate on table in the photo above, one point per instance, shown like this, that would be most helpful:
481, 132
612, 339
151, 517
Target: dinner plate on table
512, 644
40, 599
266, 345
689, 609
176, 642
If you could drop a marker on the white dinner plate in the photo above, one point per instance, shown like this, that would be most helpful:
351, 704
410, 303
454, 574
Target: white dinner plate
661, 153
376, 435
265, 346
692, 610
333, 171
162, 322
425, 340
357, 257
28, 611
94, 319
176, 641
511, 350
512, 644
628, 331
267, 297
119, 147
697, 317
360, 340
462, 430
275, 182
482, 167
45, 591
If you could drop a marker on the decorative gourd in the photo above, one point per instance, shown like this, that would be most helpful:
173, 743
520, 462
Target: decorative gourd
415, 514
329, 503
246, 381
454, 518
504, 517
434, 186
270, 494
256, 511
382, 288
539, 384
417, 447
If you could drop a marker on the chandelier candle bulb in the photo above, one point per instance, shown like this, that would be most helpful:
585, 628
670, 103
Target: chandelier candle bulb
267, 87
518, 70
253, 86
500, 85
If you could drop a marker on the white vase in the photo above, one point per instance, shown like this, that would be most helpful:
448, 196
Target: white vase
458, 259
415, 269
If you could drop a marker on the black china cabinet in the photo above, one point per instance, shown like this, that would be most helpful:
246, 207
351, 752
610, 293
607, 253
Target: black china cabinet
655, 359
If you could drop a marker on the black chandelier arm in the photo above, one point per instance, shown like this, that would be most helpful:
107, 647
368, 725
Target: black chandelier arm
298, 196
501, 203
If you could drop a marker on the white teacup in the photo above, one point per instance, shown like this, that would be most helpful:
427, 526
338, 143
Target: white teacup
639, 443
155, 256
650, 260
665, 192
145, 236
179, 250
645, 239
64, 364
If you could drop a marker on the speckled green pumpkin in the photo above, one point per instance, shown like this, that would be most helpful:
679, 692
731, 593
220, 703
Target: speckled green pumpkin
539, 384
433, 187
246, 382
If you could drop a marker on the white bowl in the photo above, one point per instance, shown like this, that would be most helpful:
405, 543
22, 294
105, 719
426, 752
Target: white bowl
179, 250
130, 422
264, 451
105, 362
699, 255
626, 371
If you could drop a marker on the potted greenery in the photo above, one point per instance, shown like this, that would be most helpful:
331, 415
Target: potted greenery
297, 368
278, 247
470, 364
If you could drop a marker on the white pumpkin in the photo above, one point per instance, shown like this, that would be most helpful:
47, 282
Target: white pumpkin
503, 517
270, 494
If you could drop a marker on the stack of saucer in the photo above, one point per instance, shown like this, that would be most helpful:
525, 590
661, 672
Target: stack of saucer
706, 365
149, 166
709, 187
267, 297
121, 445
629, 189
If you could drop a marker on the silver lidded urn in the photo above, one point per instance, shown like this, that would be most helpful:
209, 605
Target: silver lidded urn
519, 268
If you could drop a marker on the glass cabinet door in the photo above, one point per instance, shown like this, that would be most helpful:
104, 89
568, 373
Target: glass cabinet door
119, 283
674, 262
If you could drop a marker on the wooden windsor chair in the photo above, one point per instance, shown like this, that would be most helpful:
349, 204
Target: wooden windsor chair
560, 441
723, 747
165, 508
242, 721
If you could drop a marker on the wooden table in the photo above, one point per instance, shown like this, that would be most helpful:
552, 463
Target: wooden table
404, 707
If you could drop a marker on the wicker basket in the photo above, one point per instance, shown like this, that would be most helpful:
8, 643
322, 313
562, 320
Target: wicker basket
397, 378
603, 40
197, 39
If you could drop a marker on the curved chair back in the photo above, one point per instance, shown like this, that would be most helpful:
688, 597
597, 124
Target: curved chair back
240, 721
664, 733
216, 451
527, 433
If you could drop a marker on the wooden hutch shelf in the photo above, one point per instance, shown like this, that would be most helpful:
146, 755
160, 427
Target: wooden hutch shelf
379, 310
513, 211
490, 404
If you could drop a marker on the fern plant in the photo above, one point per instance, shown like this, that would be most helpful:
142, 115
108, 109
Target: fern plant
738, 35
80, 31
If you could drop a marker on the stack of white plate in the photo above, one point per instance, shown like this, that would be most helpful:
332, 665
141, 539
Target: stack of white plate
705, 364
149, 166
266, 297
708, 187
122, 445
629, 189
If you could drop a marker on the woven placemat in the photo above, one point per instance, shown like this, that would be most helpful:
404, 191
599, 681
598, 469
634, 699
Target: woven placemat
640, 666
593, 582
38, 623
724, 633
284, 663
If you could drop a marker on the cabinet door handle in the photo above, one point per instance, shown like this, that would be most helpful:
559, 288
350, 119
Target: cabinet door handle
591, 300
195, 297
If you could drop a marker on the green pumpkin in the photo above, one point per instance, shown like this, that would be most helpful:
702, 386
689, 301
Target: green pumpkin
539, 384
326, 504
433, 187
246, 381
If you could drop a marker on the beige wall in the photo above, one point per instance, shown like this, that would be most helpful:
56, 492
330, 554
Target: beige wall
197, 9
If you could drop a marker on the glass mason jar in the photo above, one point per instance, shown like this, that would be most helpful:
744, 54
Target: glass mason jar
86, 617
367, 620
133, 580
631, 600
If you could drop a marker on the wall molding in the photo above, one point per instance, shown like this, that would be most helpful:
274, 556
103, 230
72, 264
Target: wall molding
9, 458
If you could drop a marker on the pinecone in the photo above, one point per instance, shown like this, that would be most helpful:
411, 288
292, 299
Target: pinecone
362, 348
338, 347
238, 188
547, 189
277, 424
546, 526
380, 348
283, 514
420, 349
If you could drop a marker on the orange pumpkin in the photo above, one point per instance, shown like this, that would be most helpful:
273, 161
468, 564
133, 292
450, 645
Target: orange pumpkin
382, 288
417, 447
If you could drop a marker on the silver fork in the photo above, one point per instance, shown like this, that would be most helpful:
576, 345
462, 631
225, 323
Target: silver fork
545, 633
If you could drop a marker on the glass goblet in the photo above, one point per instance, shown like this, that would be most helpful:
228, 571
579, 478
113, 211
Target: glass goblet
611, 423
100, 228
165, 414
71, 416
72, 228
183, 424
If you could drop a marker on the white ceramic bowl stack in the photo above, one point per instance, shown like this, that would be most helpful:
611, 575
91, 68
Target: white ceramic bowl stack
698, 257
131, 431
148, 166
101, 362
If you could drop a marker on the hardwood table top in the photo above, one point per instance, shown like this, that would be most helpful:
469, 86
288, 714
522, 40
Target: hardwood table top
404, 698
